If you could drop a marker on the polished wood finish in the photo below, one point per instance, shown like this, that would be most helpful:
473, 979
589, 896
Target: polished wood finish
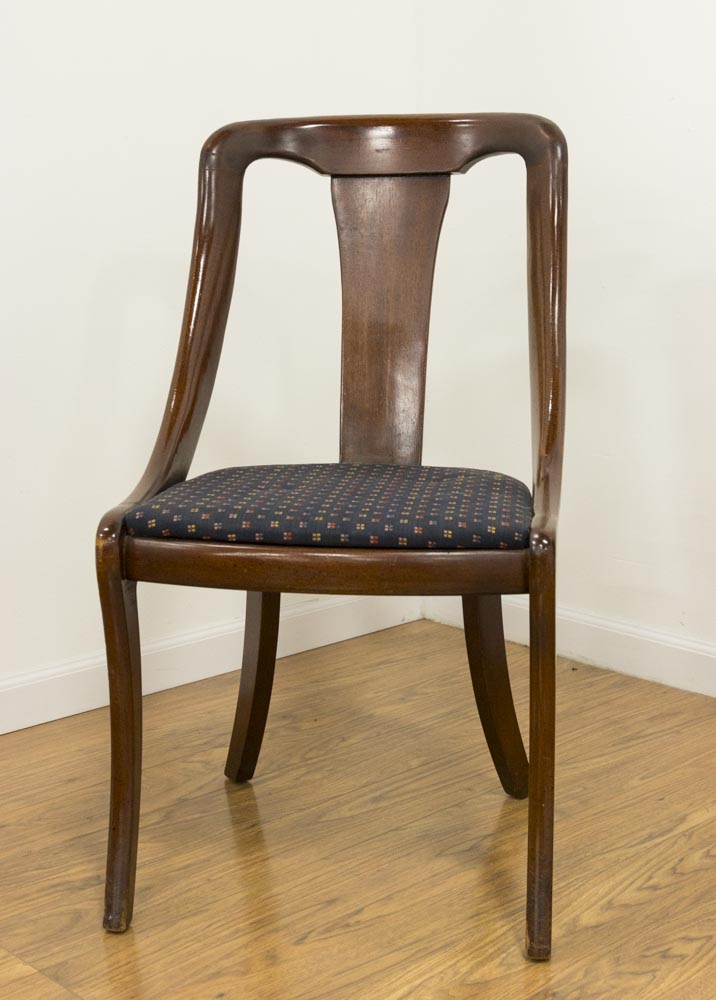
485, 642
375, 853
390, 187
257, 668
306, 570
540, 837
387, 145
388, 230
118, 598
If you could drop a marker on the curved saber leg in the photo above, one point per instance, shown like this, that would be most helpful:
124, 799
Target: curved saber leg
119, 611
257, 669
485, 643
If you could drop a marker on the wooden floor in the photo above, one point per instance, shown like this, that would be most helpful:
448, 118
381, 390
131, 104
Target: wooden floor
375, 855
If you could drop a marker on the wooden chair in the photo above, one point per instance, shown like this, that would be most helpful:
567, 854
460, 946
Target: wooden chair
390, 184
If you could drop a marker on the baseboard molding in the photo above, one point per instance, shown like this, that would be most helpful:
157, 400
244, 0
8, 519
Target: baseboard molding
75, 686
616, 645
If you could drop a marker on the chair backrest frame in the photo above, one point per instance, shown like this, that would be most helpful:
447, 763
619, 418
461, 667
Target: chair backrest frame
390, 184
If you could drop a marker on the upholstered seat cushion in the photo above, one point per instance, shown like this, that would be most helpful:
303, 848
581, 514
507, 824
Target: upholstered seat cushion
351, 506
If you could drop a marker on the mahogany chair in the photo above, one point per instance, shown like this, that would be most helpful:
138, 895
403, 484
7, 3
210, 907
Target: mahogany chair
377, 522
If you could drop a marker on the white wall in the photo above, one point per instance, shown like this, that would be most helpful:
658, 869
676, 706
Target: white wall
105, 108
104, 111
633, 86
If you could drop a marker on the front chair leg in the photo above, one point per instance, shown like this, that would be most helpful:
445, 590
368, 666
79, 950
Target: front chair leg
542, 749
257, 670
121, 628
485, 642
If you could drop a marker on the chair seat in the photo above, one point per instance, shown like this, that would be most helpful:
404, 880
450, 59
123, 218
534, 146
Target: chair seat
343, 505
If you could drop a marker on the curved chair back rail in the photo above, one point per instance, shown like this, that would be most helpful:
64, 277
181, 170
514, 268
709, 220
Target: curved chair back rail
390, 183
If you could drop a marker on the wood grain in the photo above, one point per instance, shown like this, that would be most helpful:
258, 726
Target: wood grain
364, 145
19, 981
375, 854
487, 658
257, 671
301, 569
388, 230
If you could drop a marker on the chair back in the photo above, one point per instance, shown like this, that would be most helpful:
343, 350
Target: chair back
390, 186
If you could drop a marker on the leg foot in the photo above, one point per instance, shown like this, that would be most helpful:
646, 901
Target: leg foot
538, 954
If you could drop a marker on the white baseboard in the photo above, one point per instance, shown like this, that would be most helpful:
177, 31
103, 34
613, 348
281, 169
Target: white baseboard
616, 645
75, 686
80, 685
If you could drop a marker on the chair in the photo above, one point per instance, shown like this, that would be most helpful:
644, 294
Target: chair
338, 529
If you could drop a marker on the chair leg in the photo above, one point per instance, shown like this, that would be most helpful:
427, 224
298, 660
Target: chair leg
121, 628
484, 638
257, 669
542, 751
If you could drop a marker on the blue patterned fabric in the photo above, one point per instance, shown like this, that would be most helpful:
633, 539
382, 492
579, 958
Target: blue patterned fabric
342, 505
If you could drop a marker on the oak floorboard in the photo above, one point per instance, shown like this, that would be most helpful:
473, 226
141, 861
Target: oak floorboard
19, 981
36, 987
375, 854
12, 969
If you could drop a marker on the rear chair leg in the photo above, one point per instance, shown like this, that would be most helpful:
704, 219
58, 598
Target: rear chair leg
257, 669
485, 643
542, 749
121, 629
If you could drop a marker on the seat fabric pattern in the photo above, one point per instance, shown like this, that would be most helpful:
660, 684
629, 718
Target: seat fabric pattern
343, 505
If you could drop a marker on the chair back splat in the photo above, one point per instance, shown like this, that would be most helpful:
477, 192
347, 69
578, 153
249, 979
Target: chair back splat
388, 229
